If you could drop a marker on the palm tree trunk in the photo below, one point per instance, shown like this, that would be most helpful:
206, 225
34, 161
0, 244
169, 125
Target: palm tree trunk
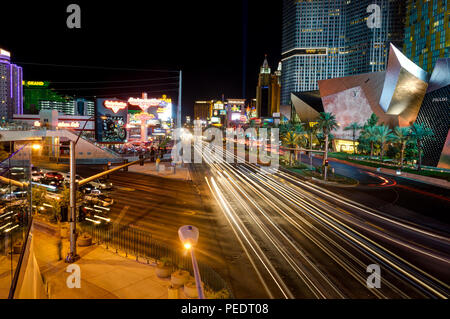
371, 150
419, 147
354, 137
310, 153
325, 157
381, 152
402, 154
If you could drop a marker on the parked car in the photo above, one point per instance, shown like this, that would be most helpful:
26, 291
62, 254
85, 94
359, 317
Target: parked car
89, 188
67, 177
55, 175
51, 181
18, 174
100, 200
6, 188
37, 176
36, 169
14, 196
102, 183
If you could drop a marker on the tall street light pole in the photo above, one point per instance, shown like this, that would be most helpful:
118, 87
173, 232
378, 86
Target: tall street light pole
72, 256
179, 100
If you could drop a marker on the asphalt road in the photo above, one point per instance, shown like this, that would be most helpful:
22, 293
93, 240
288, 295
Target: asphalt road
402, 197
160, 206
305, 242
277, 236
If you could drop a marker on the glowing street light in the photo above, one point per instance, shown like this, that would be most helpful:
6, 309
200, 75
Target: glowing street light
189, 237
36, 146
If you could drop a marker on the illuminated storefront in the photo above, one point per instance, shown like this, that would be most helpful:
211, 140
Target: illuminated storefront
346, 146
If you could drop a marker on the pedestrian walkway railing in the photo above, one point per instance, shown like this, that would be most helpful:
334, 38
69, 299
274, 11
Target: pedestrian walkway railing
15, 216
141, 244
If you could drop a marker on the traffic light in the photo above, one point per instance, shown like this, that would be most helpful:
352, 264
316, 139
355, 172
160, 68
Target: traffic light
326, 163
141, 159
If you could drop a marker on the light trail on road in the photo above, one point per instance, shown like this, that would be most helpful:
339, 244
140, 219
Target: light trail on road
302, 245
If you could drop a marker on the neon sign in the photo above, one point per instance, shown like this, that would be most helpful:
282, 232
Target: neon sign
69, 124
144, 103
34, 83
115, 106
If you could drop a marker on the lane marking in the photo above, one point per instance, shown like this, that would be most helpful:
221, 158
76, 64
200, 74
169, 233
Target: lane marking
375, 226
122, 213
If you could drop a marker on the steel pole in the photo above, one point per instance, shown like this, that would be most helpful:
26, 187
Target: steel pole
179, 100
198, 280
73, 241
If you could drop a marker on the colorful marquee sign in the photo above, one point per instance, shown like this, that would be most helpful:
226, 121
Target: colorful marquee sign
115, 106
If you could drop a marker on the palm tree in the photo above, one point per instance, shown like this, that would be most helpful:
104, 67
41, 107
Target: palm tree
418, 133
354, 127
384, 135
291, 139
300, 131
311, 130
327, 123
370, 134
372, 121
402, 137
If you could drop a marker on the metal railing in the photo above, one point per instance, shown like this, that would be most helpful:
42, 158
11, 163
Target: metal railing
141, 244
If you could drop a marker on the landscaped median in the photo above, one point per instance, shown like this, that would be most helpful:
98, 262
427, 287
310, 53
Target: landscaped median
317, 176
366, 161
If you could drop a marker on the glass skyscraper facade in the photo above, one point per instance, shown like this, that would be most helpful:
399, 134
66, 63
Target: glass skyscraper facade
325, 39
427, 31
313, 36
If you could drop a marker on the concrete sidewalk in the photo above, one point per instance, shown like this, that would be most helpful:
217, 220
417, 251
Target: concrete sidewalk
104, 274
165, 170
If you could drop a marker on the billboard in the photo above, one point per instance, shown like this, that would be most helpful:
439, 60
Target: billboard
110, 121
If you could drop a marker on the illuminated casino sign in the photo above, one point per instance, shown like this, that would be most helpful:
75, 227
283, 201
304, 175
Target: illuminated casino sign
115, 106
69, 124
144, 103
218, 106
35, 83
161, 108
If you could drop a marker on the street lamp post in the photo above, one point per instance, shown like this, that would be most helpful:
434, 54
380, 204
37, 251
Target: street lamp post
72, 256
189, 237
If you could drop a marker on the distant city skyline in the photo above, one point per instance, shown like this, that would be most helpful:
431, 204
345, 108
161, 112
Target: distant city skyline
329, 39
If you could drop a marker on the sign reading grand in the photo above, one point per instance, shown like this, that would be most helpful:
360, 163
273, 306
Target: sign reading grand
111, 119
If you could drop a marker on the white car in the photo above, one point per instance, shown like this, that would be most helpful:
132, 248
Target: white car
67, 177
102, 184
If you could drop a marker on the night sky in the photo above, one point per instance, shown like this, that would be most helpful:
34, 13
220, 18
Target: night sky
202, 38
